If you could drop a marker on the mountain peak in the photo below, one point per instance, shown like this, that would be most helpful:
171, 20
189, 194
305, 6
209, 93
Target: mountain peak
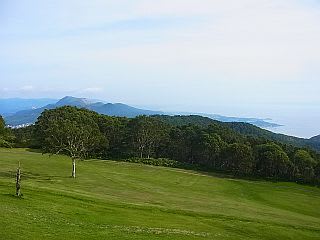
74, 101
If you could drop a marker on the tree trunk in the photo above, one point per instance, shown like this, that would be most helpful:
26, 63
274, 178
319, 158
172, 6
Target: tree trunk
149, 153
74, 168
18, 178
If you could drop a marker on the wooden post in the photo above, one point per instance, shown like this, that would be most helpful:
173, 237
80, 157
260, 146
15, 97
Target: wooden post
18, 179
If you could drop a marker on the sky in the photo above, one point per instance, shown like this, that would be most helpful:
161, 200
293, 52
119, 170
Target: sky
254, 58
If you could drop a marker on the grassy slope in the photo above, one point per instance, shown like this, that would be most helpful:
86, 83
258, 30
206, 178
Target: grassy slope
112, 200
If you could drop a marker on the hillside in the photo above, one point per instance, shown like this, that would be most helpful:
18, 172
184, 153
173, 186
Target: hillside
254, 121
250, 130
246, 129
315, 139
114, 200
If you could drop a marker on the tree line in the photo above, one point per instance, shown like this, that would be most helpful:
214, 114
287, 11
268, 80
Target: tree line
6, 136
80, 134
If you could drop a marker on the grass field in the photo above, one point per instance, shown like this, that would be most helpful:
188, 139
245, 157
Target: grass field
114, 200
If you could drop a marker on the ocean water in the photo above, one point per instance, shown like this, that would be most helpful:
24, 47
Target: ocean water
303, 121
296, 120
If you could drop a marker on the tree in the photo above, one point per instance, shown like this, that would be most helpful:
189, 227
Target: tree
211, 146
271, 161
115, 130
2, 125
70, 131
6, 137
146, 134
24, 137
238, 158
186, 145
304, 165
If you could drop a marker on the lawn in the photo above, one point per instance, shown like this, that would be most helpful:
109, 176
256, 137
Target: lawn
116, 200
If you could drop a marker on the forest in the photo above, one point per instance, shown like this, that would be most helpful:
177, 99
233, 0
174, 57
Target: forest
177, 141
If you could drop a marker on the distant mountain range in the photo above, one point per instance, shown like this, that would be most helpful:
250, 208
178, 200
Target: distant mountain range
316, 138
30, 116
247, 126
26, 111
13, 105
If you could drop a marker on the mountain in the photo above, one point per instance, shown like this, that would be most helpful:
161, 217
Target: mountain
30, 116
246, 129
12, 105
76, 102
315, 139
121, 110
245, 126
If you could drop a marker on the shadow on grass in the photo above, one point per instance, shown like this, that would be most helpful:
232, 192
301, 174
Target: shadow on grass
41, 177
9, 174
34, 150
31, 176
195, 168
12, 196
201, 170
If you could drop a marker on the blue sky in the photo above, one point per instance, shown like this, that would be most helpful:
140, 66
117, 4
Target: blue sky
191, 55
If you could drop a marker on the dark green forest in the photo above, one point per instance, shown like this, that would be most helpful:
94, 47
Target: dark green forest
176, 141
6, 136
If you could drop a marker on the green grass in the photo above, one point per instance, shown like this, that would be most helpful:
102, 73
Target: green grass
115, 200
